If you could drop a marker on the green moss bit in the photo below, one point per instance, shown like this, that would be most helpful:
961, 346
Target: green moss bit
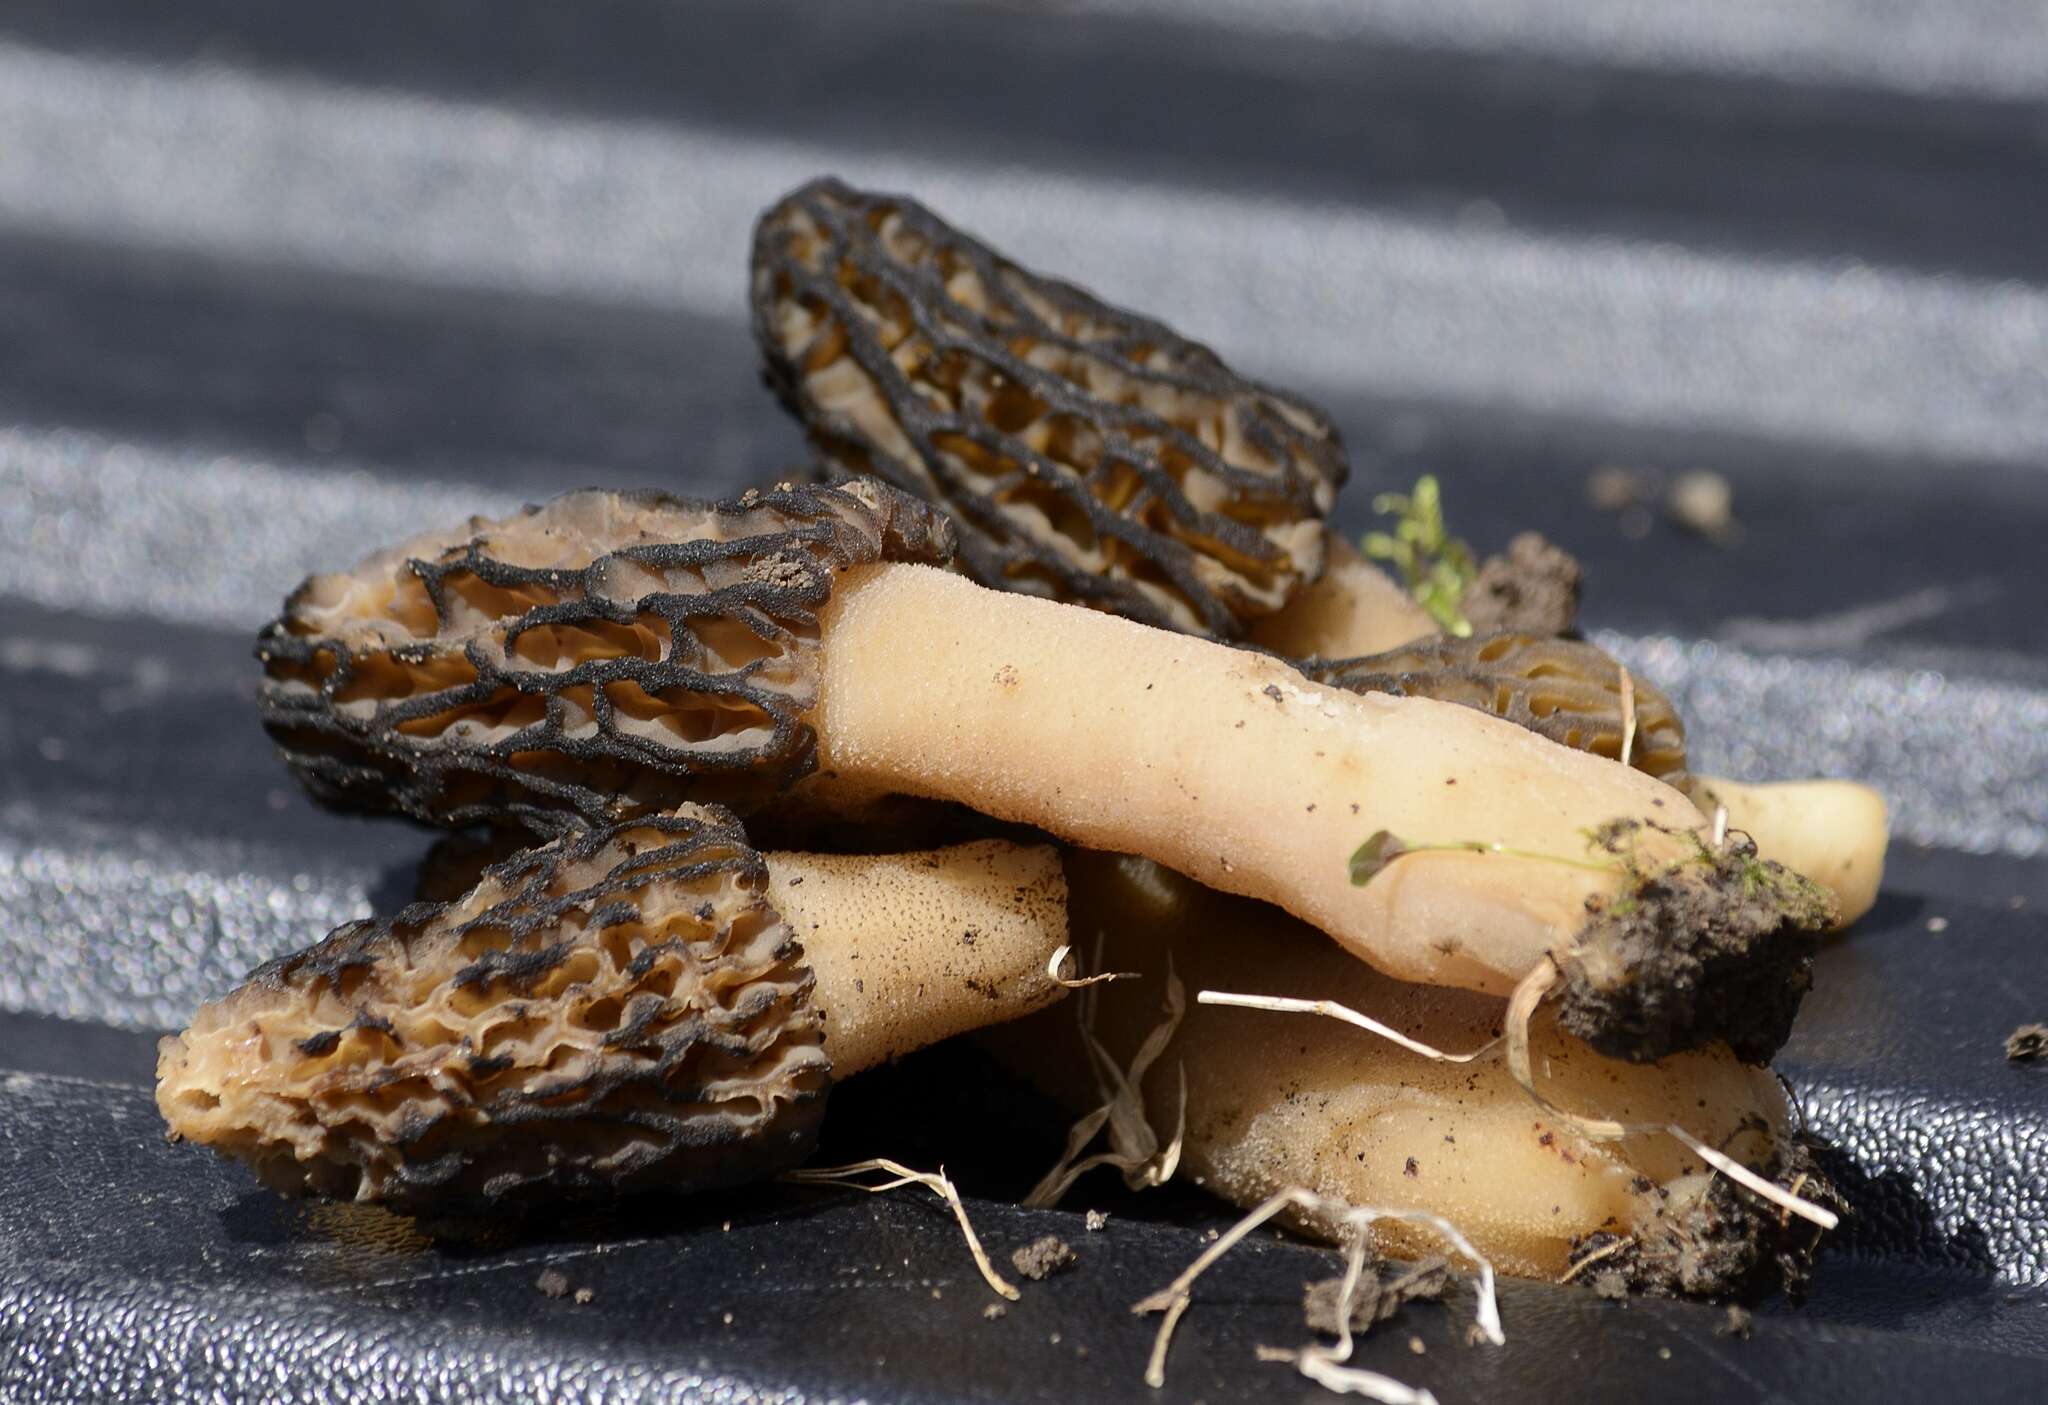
1434, 565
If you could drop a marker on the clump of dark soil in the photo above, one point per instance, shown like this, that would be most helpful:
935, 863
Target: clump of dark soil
1044, 1257
1379, 1295
1531, 587
1717, 948
1709, 1238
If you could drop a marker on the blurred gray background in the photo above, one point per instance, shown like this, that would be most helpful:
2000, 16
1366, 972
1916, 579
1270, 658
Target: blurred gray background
281, 282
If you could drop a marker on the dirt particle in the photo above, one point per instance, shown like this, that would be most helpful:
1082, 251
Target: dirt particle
1611, 1284
1533, 587
1379, 1294
1415, 1344
1937, 924
993, 1312
1703, 502
1097, 1221
1007, 676
583, 1296
1615, 489
552, 1283
1411, 1169
1736, 1323
2027, 1043
1044, 1257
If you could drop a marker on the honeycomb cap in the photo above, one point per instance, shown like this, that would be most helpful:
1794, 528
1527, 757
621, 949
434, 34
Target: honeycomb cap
1567, 691
613, 1011
1084, 452
604, 655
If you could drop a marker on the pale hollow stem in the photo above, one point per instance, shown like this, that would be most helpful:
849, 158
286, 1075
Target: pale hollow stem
909, 949
1367, 1120
1834, 832
1229, 767
1352, 610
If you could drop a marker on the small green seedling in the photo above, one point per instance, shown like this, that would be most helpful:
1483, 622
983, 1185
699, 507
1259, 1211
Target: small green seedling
1434, 565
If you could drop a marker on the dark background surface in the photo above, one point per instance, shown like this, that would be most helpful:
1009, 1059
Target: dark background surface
280, 283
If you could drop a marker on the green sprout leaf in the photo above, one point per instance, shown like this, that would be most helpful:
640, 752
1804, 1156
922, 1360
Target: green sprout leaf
1434, 565
1373, 855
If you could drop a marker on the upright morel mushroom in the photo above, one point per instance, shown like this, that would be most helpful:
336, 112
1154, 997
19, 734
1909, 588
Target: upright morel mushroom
1226, 765
652, 1005
1086, 453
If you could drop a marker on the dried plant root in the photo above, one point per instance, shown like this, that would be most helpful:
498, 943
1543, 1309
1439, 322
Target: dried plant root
1834, 832
1134, 1148
619, 1010
901, 1175
1280, 1099
1325, 1365
1522, 1008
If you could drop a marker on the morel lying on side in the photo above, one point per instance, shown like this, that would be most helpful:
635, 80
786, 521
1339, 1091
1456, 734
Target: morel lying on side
648, 1006
1279, 1099
604, 654
1833, 832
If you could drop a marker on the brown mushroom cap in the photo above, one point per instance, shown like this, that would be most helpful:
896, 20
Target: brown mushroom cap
1086, 453
603, 655
617, 1010
1561, 689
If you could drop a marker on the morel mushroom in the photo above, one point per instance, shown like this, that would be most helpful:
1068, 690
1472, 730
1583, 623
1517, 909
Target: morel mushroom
1086, 453
1567, 691
1833, 832
1358, 1119
613, 653
1226, 765
648, 1006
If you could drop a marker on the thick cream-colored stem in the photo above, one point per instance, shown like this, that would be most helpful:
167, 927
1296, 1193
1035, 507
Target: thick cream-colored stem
909, 949
1229, 767
1354, 609
1834, 832
1279, 1099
